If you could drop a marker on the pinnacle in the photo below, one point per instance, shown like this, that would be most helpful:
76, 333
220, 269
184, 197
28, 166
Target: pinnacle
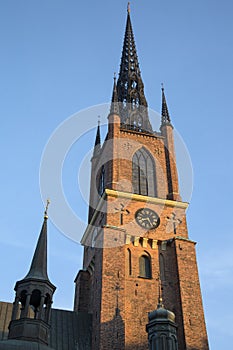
115, 104
166, 120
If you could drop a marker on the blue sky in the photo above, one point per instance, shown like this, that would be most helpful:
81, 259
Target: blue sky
57, 58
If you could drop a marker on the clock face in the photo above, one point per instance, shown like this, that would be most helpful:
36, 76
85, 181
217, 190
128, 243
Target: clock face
147, 218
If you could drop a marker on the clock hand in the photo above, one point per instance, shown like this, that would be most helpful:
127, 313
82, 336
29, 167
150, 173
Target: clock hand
150, 221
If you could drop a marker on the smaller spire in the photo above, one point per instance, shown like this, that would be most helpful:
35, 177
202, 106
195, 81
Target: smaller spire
38, 269
166, 120
115, 104
97, 139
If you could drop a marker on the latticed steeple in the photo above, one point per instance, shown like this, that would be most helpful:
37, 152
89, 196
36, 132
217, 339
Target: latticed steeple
166, 120
130, 88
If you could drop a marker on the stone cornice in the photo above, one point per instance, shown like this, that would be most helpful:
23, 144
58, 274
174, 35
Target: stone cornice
140, 198
132, 196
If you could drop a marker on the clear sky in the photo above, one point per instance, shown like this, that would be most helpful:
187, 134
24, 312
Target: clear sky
57, 58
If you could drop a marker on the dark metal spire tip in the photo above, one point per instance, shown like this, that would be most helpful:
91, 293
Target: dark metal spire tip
46, 209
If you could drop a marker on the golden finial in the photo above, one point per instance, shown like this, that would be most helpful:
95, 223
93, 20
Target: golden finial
46, 209
160, 298
128, 7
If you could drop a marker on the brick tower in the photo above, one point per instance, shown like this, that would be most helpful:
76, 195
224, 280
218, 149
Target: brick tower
137, 234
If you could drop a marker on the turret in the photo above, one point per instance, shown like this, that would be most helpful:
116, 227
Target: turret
32, 306
162, 329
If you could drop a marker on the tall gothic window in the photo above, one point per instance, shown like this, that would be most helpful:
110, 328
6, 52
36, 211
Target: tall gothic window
129, 261
101, 185
145, 266
143, 173
162, 267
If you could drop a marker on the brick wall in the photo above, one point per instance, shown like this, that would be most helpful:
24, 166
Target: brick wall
121, 298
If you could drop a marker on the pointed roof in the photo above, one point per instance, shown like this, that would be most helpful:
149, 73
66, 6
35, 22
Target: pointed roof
97, 141
38, 269
166, 120
130, 87
129, 66
115, 104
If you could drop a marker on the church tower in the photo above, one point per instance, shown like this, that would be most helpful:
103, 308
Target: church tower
137, 233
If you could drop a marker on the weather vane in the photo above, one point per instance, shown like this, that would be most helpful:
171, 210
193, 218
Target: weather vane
46, 209
128, 8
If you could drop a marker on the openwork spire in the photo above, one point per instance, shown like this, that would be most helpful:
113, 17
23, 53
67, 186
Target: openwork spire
166, 120
130, 87
114, 104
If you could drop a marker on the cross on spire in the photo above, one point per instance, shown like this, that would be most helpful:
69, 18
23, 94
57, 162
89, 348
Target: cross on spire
46, 209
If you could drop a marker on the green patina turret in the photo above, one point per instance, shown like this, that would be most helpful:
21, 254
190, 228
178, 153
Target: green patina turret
30, 322
161, 329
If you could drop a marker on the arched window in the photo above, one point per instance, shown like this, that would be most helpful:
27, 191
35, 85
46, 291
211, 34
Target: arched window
145, 266
129, 261
143, 173
162, 267
35, 301
22, 298
101, 185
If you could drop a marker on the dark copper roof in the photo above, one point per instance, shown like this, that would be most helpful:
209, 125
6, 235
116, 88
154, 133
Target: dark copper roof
38, 269
69, 331
22, 345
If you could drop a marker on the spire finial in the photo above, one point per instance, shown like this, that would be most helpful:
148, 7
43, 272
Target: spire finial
160, 299
98, 120
162, 86
46, 209
128, 7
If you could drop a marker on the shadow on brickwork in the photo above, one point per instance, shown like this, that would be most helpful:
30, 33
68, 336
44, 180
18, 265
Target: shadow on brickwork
204, 345
116, 335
